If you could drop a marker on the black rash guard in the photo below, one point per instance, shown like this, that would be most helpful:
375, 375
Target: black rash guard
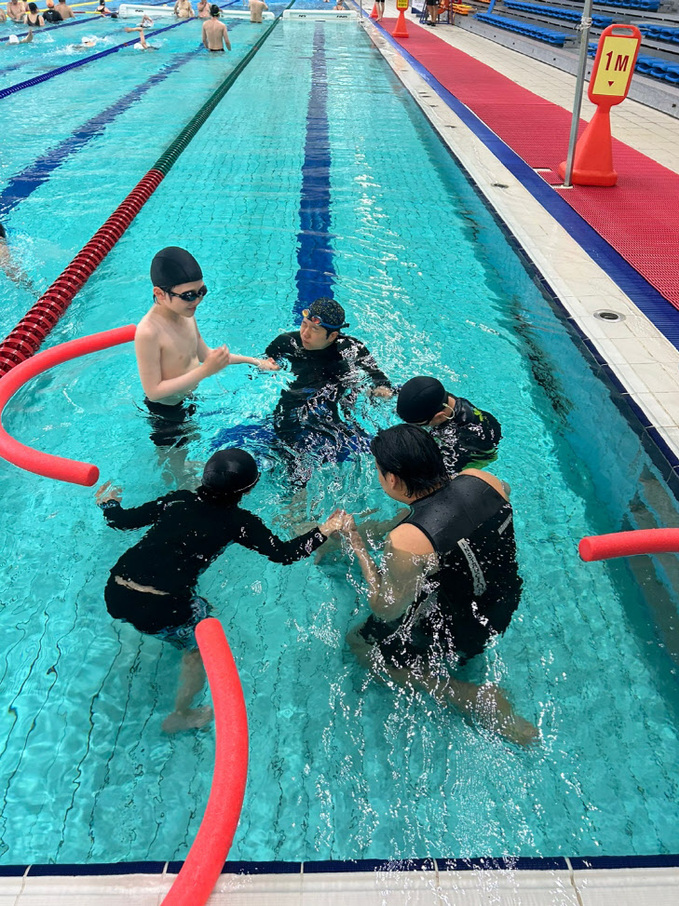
322, 376
188, 532
468, 435
477, 586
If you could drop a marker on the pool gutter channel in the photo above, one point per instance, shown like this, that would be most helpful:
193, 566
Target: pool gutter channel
29, 334
551, 253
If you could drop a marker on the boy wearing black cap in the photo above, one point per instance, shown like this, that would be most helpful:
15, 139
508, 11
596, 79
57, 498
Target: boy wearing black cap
153, 584
327, 366
464, 433
172, 356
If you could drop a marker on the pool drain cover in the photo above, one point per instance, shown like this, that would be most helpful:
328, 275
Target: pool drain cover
607, 315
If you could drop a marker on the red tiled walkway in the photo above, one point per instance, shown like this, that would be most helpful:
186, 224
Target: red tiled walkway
639, 217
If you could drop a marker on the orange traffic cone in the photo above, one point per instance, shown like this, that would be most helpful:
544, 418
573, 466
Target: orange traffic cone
373, 14
400, 31
593, 158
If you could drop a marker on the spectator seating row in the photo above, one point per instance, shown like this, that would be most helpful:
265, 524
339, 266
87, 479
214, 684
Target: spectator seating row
650, 6
651, 66
555, 12
659, 33
524, 28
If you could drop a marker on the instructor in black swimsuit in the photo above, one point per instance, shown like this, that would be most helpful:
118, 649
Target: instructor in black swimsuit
153, 584
448, 582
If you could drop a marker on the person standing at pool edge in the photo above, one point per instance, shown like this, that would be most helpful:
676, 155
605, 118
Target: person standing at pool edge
215, 32
172, 357
153, 584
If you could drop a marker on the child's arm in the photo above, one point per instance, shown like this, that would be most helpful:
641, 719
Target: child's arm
262, 364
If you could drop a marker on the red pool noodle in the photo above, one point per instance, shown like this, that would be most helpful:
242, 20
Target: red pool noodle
33, 460
200, 872
628, 544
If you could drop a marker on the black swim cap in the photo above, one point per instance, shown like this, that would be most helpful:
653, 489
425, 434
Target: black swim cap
420, 399
173, 266
230, 472
330, 314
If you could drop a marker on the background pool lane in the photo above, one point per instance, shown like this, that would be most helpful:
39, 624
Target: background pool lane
97, 148
341, 766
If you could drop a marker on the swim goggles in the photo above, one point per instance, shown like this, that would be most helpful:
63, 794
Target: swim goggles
190, 295
306, 313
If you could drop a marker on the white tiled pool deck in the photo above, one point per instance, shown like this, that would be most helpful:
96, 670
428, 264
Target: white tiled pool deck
619, 887
645, 363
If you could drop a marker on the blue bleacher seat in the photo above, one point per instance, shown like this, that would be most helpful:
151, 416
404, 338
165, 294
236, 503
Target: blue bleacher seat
523, 28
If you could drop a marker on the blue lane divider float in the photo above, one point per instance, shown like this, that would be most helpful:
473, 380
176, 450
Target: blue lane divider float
46, 76
46, 28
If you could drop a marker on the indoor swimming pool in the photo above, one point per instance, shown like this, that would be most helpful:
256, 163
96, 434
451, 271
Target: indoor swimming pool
316, 175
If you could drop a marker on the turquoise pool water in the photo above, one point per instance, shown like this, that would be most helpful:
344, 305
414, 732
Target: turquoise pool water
341, 767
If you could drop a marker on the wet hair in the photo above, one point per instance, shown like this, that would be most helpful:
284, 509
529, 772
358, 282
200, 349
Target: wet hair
3, 234
412, 455
214, 10
228, 474
173, 266
33, 7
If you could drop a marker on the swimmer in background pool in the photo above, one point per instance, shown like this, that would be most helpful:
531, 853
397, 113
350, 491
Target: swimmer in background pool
7, 265
16, 10
32, 17
65, 10
329, 369
463, 433
142, 45
203, 9
257, 7
448, 582
215, 32
51, 16
172, 356
183, 9
103, 10
153, 584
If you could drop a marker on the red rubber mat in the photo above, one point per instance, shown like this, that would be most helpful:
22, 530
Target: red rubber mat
638, 217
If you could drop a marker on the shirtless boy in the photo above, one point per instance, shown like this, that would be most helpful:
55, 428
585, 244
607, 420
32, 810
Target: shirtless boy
214, 32
172, 357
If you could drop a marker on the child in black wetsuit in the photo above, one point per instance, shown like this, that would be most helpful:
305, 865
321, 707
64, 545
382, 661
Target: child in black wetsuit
152, 586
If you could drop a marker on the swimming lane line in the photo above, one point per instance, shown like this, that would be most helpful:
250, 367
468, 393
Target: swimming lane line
315, 255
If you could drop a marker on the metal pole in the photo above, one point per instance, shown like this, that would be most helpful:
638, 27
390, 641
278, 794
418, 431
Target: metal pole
584, 27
